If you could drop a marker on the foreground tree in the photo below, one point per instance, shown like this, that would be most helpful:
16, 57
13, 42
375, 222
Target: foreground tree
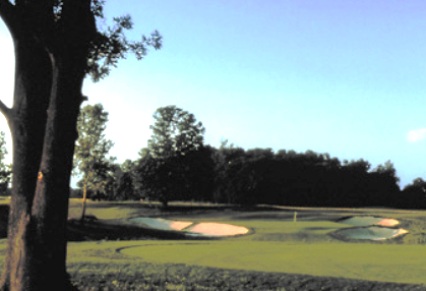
56, 44
91, 151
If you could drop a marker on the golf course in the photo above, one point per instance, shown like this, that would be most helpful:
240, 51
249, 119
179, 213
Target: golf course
283, 248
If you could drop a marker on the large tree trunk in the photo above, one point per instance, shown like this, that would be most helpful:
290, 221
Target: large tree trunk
50, 207
37, 231
48, 81
27, 121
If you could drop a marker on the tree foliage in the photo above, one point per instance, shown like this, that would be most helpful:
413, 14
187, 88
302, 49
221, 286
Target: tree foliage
166, 168
174, 132
122, 182
259, 176
91, 151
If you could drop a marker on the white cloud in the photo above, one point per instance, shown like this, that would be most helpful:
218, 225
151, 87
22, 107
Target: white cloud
416, 135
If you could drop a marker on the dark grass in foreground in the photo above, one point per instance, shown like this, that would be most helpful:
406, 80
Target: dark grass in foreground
182, 277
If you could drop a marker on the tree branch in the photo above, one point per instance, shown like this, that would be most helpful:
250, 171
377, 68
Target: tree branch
5, 110
7, 13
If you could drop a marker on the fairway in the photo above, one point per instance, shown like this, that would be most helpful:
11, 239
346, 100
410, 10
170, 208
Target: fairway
278, 251
277, 243
386, 263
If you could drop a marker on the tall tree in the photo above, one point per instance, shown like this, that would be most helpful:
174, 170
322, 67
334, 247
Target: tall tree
56, 44
165, 166
175, 132
5, 169
91, 151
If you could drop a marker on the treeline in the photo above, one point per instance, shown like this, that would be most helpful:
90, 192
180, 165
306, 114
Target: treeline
260, 176
176, 165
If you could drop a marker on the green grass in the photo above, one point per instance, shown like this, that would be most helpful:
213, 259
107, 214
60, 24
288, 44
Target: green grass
105, 210
389, 263
276, 244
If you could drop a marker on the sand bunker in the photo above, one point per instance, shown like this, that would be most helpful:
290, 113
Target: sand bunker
370, 228
204, 229
369, 220
216, 229
371, 233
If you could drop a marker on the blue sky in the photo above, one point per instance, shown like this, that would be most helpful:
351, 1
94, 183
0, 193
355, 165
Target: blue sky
340, 77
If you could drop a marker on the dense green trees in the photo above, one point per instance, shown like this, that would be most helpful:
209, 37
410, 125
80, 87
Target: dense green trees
123, 185
413, 195
308, 179
176, 165
167, 169
173, 168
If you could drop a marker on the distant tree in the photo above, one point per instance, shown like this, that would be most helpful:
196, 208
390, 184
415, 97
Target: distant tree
91, 151
124, 185
413, 195
388, 169
164, 170
174, 132
5, 169
384, 188
355, 181
200, 174
152, 179
227, 160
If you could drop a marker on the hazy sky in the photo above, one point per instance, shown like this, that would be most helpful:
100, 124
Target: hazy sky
343, 77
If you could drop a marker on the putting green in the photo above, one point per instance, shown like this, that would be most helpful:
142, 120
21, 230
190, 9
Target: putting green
387, 263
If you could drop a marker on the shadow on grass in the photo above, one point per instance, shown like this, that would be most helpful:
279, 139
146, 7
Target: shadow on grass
101, 230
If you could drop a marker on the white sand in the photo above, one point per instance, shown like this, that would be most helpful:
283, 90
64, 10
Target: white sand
216, 229
209, 229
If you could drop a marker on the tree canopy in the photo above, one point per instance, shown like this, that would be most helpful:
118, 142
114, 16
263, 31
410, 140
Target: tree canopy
165, 170
174, 132
91, 159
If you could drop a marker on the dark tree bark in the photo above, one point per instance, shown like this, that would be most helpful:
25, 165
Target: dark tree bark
56, 44
51, 59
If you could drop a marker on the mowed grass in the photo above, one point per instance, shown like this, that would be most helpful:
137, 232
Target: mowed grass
386, 263
276, 244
